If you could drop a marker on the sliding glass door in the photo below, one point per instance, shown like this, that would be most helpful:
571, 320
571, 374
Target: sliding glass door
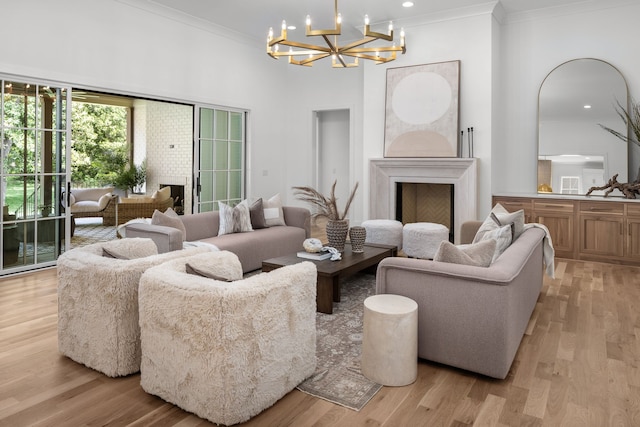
35, 134
219, 160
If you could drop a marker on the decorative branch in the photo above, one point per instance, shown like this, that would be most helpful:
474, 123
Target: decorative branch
326, 206
630, 190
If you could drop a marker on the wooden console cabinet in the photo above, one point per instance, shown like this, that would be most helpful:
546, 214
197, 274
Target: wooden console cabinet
584, 228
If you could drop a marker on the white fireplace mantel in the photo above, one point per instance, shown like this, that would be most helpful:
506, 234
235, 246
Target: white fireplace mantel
384, 174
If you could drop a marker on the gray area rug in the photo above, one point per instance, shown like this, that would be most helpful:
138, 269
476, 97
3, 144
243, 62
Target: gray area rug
91, 230
339, 340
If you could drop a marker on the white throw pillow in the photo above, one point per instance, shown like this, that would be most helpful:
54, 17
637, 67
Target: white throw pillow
503, 237
162, 194
234, 220
505, 217
273, 214
103, 201
132, 248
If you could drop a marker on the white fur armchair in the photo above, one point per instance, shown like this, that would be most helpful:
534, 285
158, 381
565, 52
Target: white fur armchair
98, 304
226, 350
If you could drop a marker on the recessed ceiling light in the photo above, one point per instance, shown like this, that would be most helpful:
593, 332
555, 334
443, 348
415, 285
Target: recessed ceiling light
586, 107
407, 4
291, 27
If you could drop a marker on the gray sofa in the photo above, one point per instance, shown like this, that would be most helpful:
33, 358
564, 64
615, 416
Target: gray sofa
471, 317
251, 247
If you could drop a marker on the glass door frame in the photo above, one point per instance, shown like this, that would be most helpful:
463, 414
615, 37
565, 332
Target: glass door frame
206, 203
36, 219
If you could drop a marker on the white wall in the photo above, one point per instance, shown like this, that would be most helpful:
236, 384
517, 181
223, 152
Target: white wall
115, 46
468, 39
533, 45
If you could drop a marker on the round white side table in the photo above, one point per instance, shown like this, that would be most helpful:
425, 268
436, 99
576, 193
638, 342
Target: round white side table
390, 340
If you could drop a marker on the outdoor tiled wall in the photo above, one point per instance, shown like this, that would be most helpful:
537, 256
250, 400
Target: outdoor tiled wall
168, 134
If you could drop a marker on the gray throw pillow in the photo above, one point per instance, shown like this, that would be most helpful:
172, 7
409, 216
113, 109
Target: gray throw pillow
256, 211
477, 254
169, 218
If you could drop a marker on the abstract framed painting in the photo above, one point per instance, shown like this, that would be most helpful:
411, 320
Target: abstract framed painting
422, 110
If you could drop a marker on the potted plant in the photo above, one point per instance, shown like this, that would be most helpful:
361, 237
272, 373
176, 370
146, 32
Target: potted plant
131, 177
327, 207
631, 119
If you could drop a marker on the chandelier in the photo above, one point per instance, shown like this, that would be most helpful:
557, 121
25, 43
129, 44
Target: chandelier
312, 52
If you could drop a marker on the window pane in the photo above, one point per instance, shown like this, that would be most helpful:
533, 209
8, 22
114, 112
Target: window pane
235, 185
222, 155
19, 188
206, 207
235, 133
206, 123
221, 186
206, 185
236, 155
53, 105
20, 105
222, 124
206, 155
22, 155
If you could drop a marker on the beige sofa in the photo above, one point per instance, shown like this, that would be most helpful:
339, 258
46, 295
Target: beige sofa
251, 247
91, 202
471, 317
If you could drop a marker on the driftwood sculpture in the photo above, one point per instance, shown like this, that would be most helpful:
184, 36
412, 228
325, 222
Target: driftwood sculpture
629, 189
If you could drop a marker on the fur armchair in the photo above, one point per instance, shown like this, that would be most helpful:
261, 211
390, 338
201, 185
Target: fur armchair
226, 351
98, 304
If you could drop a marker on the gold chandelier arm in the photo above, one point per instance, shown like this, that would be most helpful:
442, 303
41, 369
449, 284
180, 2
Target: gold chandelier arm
306, 46
369, 33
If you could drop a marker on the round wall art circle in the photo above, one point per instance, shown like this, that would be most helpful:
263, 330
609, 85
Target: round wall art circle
422, 98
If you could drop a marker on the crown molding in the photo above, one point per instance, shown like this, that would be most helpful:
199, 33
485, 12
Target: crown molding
154, 8
581, 7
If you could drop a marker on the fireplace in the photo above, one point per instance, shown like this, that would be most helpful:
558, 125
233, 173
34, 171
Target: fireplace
177, 194
460, 173
425, 202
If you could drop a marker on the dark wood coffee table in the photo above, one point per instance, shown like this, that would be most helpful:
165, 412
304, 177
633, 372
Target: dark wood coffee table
330, 272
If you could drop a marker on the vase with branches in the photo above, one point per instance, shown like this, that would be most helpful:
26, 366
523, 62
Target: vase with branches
327, 207
631, 119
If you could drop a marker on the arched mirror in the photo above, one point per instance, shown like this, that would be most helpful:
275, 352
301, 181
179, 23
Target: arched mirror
574, 152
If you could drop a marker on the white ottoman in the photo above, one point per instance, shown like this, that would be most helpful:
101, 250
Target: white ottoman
422, 239
384, 231
390, 340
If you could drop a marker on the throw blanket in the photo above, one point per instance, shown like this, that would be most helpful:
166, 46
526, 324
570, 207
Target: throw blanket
548, 253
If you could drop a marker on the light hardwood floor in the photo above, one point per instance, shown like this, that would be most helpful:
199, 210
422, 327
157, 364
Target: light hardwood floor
578, 365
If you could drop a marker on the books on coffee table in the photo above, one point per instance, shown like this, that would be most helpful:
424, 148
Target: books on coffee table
316, 256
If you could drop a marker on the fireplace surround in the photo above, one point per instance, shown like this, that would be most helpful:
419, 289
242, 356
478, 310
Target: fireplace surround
384, 174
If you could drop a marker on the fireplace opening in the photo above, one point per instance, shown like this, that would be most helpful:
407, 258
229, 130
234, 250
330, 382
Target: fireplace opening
426, 202
177, 194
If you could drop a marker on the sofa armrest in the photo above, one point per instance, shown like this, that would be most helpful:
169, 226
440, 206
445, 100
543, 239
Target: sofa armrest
298, 217
468, 231
167, 239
